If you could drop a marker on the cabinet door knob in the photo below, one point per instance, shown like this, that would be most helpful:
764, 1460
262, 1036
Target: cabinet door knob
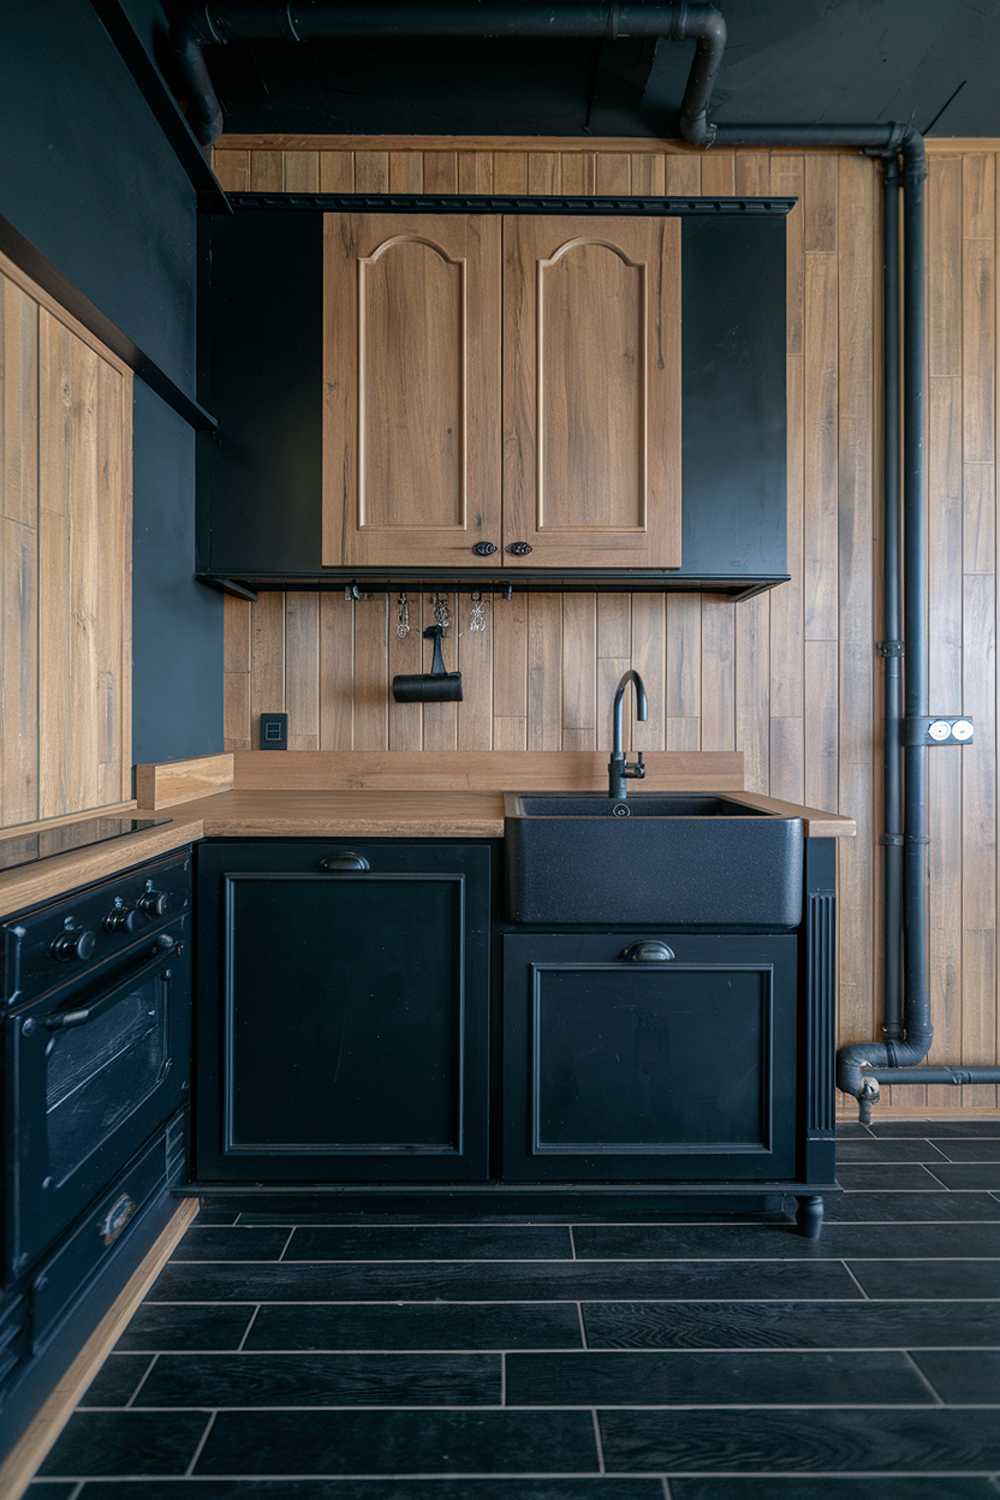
348, 860
650, 952
520, 549
484, 549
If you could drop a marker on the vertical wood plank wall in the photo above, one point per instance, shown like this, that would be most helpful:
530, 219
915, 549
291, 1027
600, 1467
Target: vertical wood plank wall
790, 678
65, 563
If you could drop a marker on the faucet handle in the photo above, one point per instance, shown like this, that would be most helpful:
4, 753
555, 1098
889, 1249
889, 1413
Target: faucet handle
640, 767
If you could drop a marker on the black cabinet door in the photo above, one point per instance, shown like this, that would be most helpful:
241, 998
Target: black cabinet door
665, 1068
343, 1012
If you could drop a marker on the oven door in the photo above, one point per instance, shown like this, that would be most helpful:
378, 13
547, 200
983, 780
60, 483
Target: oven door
93, 1072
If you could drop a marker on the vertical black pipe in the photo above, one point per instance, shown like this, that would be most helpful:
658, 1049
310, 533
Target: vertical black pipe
892, 839
919, 1032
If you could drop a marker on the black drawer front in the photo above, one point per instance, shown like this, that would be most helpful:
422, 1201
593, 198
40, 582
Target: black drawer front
653, 1059
343, 991
102, 1229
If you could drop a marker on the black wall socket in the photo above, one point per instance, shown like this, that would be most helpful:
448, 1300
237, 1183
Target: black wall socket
274, 731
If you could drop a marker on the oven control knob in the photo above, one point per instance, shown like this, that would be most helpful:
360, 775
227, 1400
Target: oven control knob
153, 903
74, 944
121, 918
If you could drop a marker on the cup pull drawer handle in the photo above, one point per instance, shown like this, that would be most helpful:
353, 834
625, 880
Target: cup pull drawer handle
116, 1218
653, 952
348, 860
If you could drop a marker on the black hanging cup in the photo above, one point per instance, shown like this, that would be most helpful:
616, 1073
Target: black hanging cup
435, 686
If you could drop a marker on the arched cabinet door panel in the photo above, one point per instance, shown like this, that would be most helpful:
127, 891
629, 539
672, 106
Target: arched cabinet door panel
411, 358
592, 392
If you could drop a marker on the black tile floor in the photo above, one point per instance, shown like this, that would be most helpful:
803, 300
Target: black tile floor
705, 1358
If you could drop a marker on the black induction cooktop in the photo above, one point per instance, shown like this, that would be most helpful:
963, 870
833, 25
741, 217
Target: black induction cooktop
28, 848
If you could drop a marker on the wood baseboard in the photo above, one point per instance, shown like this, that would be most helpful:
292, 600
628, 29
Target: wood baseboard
28, 1454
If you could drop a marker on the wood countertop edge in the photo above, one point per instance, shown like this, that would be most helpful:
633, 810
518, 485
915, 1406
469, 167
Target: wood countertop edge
222, 816
31, 884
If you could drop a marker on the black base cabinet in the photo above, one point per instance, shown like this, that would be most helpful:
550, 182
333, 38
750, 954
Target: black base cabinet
343, 1016
348, 1041
663, 1059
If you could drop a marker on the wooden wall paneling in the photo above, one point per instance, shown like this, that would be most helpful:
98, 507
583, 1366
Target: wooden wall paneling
301, 170
718, 615
441, 719
648, 173
371, 673
613, 172
787, 739
944, 452
510, 673
579, 172
579, 672
267, 170
336, 672
475, 712
753, 618
113, 596
614, 653
475, 172
336, 171
858, 258
978, 646
371, 171
544, 172
302, 689
406, 172
18, 555
683, 705
649, 657
406, 656
510, 172
441, 172
237, 663
267, 682
545, 681
232, 167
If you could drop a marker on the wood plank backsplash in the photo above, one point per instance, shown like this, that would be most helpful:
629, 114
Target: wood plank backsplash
790, 678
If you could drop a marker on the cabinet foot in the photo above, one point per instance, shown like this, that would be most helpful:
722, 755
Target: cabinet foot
809, 1216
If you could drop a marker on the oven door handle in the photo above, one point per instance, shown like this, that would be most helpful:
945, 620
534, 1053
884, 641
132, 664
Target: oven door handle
162, 948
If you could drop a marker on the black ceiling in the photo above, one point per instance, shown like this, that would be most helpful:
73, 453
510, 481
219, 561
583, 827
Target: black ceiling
792, 61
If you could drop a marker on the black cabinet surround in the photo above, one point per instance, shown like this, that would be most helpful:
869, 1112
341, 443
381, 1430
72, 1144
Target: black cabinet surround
359, 1033
261, 373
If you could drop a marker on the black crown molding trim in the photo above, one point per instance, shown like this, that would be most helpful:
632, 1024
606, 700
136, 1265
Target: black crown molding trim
178, 133
41, 270
494, 203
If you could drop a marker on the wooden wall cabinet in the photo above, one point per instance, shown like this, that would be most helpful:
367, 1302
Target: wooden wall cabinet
65, 582
572, 351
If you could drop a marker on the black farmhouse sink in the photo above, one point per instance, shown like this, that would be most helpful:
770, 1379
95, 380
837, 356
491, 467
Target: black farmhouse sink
666, 858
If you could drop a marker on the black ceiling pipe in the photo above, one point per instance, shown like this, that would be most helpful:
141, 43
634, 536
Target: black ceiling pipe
214, 22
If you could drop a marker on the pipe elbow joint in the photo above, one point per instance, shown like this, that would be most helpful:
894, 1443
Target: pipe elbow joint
697, 129
854, 1063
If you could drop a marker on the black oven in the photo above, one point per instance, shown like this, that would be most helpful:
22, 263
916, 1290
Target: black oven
96, 1044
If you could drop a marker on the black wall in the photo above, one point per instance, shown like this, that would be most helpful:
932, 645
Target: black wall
86, 176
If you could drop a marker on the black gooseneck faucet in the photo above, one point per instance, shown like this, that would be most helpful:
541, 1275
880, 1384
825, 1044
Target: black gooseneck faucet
621, 771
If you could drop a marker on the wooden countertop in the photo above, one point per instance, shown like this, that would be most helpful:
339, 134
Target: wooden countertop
314, 814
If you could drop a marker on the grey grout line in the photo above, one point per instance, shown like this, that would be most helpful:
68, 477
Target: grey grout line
599, 1445
503, 1380
556, 1406
246, 1332
666, 1488
563, 1349
857, 1283
441, 1305
284, 1248
589, 1474
583, 1326
572, 1242
200, 1445
938, 1399
142, 1382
